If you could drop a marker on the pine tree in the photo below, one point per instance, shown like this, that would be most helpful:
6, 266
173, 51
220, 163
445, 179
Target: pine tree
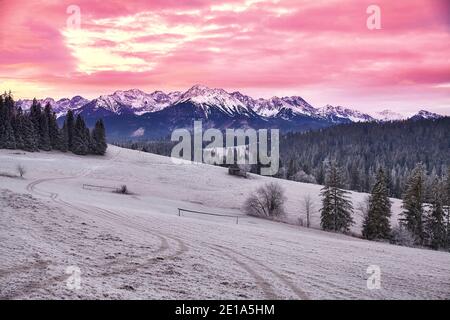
413, 199
70, 123
2, 121
53, 130
7, 135
435, 218
337, 209
30, 136
63, 144
447, 205
17, 124
376, 224
44, 137
35, 116
99, 138
80, 139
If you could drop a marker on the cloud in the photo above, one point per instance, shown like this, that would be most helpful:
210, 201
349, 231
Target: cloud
321, 49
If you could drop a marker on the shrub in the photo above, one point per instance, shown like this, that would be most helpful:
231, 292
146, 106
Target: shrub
402, 237
123, 189
21, 170
266, 202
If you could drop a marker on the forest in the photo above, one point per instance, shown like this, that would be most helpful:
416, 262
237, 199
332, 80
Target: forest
37, 129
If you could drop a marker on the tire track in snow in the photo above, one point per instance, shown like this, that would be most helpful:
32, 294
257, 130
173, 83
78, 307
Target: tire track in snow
182, 247
260, 281
232, 254
300, 293
265, 286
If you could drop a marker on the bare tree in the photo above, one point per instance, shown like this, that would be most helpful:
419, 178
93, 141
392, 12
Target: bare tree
267, 202
363, 208
21, 170
308, 206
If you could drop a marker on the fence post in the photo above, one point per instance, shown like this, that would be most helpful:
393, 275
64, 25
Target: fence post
179, 212
237, 220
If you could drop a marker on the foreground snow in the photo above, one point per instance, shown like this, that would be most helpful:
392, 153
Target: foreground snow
136, 246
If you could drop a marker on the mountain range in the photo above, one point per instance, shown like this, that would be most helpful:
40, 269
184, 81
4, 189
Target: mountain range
134, 113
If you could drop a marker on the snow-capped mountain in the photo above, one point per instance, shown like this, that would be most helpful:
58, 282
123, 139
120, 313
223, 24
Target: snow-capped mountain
60, 107
388, 115
135, 101
340, 114
423, 114
219, 99
156, 114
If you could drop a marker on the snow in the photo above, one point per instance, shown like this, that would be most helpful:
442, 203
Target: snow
345, 113
136, 246
388, 115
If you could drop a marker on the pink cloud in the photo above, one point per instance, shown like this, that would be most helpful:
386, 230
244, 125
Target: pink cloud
321, 50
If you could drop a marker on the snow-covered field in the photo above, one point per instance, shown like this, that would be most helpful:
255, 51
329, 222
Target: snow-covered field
136, 246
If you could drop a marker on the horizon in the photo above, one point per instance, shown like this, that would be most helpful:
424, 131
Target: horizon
323, 51
370, 113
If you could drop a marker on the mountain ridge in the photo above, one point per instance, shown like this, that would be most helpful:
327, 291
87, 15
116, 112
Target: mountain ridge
157, 113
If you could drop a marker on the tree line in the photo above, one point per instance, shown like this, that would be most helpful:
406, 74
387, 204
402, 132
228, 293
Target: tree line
38, 129
425, 218
361, 148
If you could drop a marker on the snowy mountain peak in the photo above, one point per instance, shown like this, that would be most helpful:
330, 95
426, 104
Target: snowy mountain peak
214, 98
338, 112
388, 115
424, 114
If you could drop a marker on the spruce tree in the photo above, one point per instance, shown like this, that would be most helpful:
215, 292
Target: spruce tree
435, 219
53, 130
80, 139
337, 209
2, 122
63, 138
447, 205
99, 138
44, 137
376, 224
30, 136
7, 131
17, 124
413, 199
70, 123
35, 116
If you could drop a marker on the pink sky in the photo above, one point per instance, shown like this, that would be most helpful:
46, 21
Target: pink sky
320, 50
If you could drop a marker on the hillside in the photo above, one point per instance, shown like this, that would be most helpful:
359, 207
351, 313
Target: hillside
136, 246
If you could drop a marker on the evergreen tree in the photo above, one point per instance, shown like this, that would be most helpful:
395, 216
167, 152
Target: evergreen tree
447, 205
7, 135
80, 139
337, 209
99, 138
413, 199
70, 123
2, 122
44, 137
435, 223
53, 130
35, 116
376, 224
17, 124
30, 137
64, 138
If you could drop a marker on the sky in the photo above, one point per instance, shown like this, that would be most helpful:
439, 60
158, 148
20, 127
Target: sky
321, 50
